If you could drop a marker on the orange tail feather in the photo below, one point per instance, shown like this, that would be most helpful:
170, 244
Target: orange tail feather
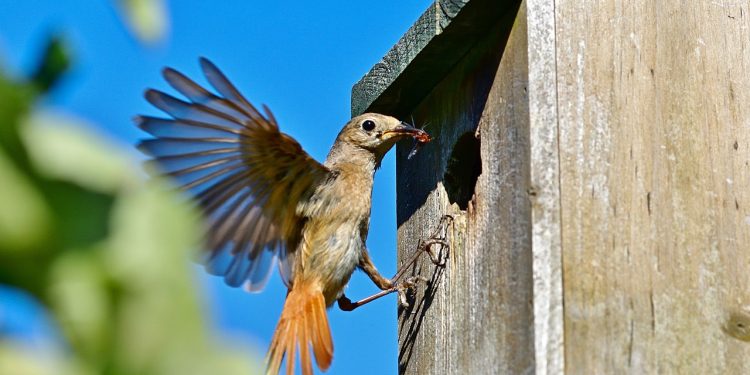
303, 324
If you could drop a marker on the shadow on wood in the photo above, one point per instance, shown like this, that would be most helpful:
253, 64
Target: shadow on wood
417, 310
475, 315
614, 155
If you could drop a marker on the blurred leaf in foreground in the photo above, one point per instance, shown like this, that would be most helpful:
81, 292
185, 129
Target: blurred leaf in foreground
61, 147
54, 62
107, 253
15, 360
147, 19
24, 217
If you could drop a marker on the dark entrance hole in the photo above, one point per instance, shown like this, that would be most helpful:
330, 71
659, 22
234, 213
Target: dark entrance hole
464, 167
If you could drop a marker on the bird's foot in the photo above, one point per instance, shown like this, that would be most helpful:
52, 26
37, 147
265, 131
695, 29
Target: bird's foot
345, 304
438, 256
405, 287
400, 283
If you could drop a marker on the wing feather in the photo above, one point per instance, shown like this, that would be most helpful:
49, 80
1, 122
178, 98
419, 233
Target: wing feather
219, 81
161, 127
245, 175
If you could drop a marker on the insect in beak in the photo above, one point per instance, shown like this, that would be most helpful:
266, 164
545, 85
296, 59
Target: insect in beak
405, 129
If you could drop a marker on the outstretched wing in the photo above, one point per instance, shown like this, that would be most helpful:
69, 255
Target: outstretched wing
246, 176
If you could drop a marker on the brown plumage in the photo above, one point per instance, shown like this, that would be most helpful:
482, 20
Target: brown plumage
265, 199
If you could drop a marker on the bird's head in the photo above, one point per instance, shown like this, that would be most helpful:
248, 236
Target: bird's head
377, 133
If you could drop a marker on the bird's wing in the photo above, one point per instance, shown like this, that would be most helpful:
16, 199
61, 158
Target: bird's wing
246, 176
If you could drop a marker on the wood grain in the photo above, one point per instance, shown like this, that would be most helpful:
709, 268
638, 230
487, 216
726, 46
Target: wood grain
610, 227
654, 147
545, 186
441, 37
382, 75
475, 315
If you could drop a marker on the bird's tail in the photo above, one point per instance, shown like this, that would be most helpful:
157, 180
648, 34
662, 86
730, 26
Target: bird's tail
303, 324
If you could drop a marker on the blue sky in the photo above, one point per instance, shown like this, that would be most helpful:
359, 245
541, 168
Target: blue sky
300, 59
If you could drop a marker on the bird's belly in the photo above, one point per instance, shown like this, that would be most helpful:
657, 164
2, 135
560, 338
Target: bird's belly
333, 259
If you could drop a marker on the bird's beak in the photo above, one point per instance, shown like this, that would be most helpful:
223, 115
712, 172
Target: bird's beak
403, 129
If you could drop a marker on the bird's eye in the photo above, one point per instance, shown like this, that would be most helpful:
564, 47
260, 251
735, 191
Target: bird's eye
368, 125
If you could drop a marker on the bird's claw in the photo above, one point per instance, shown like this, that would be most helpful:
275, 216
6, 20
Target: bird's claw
438, 258
406, 286
345, 304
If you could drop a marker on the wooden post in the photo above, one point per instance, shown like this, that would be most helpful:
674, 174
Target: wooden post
608, 229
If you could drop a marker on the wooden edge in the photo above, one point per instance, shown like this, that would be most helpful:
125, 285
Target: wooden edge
545, 181
423, 56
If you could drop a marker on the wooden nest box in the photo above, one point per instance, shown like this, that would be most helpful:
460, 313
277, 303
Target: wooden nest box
596, 158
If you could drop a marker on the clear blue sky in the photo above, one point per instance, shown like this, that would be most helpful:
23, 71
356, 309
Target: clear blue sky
300, 59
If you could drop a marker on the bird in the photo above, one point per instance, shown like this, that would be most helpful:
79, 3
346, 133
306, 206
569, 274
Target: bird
266, 201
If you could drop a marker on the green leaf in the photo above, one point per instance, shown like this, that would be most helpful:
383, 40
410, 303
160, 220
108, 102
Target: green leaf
15, 102
112, 253
53, 64
147, 19
81, 302
18, 360
63, 147
78, 174
25, 219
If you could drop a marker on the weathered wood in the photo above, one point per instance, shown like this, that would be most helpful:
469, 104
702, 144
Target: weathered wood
425, 54
654, 116
625, 172
429, 25
545, 185
475, 315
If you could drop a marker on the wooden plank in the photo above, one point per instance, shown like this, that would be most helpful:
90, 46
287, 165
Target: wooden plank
545, 186
425, 54
382, 75
475, 315
654, 167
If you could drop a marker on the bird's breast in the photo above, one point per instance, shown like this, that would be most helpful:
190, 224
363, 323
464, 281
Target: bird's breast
333, 237
331, 250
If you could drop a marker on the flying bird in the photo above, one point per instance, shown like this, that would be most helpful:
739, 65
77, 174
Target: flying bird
267, 201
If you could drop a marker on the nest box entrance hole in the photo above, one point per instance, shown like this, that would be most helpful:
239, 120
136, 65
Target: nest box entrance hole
463, 170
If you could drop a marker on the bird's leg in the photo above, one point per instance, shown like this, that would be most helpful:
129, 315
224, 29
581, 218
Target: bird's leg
345, 304
386, 286
395, 284
366, 265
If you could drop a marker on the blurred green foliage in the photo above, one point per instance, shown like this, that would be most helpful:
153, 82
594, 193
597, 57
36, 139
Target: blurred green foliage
147, 19
107, 253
